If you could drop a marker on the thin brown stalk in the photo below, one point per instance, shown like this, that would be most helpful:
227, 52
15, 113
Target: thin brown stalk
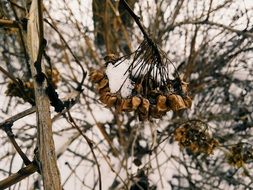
17, 177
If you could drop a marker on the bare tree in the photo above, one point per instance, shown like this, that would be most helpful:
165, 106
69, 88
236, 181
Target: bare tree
103, 144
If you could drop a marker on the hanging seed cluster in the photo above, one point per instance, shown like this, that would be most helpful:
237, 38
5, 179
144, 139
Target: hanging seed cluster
240, 154
194, 137
25, 90
153, 91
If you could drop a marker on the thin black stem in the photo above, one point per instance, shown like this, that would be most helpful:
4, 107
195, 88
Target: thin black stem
8, 130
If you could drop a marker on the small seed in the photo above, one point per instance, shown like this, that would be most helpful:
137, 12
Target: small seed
176, 102
104, 97
103, 90
126, 105
187, 101
96, 76
136, 101
111, 101
161, 104
102, 84
144, 107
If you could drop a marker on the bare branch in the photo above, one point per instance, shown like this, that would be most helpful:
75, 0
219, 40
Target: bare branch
17, 177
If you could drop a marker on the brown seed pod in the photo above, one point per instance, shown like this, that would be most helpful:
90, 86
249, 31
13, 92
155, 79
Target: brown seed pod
111, 101
126, 105
53, 75
103, 97
138, 88
176, 102
143, 117
144, 107
104, 90
153, 112
161, 104
108, 99
111, 58
96, 76
28, 85
184, 86
136, 101
102, 84
187, 101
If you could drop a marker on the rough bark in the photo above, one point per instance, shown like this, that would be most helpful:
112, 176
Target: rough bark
47, 157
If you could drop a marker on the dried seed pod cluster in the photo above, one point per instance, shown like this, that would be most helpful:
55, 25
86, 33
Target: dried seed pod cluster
142, 82
239, 154
25, 90
194, 137
54, 76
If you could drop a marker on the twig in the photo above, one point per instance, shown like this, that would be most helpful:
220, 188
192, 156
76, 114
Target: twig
145, 34
8, 23
18, 116
18, 6
207, 22
79, 88
8, 74
7, 128
17, 177
119, 19
90, 144
40, 22
135, 17
20, 34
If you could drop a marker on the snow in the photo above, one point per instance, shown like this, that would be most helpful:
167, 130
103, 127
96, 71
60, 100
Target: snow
118, 76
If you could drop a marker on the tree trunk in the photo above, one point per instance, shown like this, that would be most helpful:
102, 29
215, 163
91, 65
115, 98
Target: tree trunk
47, 157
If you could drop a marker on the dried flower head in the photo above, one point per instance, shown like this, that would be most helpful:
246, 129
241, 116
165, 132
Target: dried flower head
195, 137
142, 82
239, 154
23, 90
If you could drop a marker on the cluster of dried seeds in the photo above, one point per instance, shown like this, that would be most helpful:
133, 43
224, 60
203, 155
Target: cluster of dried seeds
155, 104
240, 154
194, 137
25, 90
153, 91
